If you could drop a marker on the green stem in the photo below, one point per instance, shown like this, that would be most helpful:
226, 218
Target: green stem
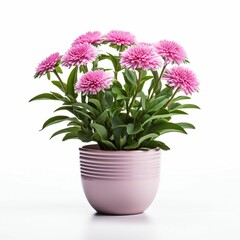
169, 101
159, 79
85, 68
83, 98
95, 64
60, 80
135, 95
127, 108
121, 48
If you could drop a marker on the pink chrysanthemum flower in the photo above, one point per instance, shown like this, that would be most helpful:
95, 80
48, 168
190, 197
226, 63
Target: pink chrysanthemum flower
182, 78
48, 64
140, 56
93, 82
170, 51
120, 37
80, 54
89, 37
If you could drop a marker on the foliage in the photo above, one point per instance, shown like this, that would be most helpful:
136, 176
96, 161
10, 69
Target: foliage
131, 114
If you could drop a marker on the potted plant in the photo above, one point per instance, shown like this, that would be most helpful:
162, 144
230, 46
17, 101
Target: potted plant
122, 95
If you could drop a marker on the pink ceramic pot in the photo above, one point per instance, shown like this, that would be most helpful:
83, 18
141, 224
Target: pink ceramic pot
119, 182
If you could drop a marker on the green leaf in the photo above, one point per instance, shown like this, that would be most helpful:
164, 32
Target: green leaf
121, 94
58, 96
178, 112
117, 135
95, 64
186, 125
103, 117
148, 136
107, 100
67, 108
166, 127
173, 106
117, 47
145, 78
158, 117
102, 57
82, 114
96, 103
109, 144
87, 107
155, 144
131, 77
156, 81
123, 140
151, 87
186, 106
131, 146
168, 91
143, 99
75, 122
131, 82
180, 98
134, 128
58, 69
70, 136
85, 136
72, 79
116, 121
156, 104
135, 145
44, 96
115, 62
161, 126
59, 85
101, 130
117, 127
54, 120
120, 126
48, 75
144, 73
70, 130
186, 61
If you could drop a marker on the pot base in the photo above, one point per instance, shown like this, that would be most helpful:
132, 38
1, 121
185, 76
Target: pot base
120, 197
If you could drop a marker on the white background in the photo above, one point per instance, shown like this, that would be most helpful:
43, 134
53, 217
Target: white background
40, 189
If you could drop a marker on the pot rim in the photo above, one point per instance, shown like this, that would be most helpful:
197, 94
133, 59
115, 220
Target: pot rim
95, 148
